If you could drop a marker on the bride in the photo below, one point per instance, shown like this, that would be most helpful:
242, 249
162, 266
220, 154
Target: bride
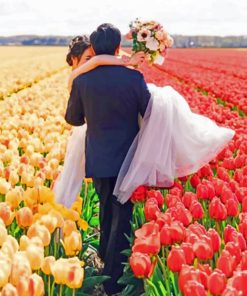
172, 141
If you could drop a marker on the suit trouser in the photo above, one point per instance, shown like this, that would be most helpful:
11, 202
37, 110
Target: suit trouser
114, 224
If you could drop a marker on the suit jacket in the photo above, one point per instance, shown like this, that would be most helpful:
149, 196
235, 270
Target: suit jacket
110, 99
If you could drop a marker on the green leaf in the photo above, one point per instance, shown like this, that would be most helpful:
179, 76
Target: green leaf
92, 281
94, 222
126, 252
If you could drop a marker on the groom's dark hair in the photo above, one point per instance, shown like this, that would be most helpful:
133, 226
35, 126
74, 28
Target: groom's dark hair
106, 39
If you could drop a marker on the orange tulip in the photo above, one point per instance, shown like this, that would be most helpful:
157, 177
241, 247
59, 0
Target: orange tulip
24, 217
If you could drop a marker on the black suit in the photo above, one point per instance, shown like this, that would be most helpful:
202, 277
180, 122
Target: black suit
110, 98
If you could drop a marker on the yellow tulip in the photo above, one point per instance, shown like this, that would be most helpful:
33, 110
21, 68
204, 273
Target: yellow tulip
68, 227
73, 243
20, 268
83, 225
41, 231
35, 256
14, 197
75, 277
46, 264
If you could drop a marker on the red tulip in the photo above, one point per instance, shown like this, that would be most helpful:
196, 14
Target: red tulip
233, 185
171, 200
238, 175
139, 195
232, 207
156, 195
197, 229
218, 185
244, 204
151, 209
194, 181
226, 263
217, 210
205, 268
240, 161
147, 229
193, 288
165, 236
243, 228
216, 282
223, 174
215, 239
196, 210
140, 264
188, 252
202, 191
188, 198
206, 171
149, 245
176, 259
203, 249
234, 250
230, 291
243, 262
228, 233
177, 232
163, 218
188, 273
210, 187
226, 194
176, 191
240, 194
182, 214
238, 281
228, 163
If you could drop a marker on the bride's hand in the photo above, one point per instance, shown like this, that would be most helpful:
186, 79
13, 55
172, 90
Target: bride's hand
135, 60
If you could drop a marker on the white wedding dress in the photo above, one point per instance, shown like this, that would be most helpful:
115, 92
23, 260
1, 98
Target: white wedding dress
172, 142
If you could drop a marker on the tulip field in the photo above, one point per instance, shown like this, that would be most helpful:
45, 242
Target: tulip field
189, 240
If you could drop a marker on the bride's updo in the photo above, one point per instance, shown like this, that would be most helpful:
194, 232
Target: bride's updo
77, 47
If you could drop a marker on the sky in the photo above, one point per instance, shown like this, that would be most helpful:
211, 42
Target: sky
73, 17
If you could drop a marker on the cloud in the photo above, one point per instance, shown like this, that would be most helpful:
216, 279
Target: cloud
60, 17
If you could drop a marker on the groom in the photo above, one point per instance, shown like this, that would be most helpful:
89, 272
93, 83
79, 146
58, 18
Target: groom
109, 99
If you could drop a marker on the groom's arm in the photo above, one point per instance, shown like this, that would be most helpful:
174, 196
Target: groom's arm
144, 96
75, 112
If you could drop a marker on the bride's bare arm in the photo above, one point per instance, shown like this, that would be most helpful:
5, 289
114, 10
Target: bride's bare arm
105, 60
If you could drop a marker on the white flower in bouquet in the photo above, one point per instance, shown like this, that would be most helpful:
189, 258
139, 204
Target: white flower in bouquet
152, 44
143, 35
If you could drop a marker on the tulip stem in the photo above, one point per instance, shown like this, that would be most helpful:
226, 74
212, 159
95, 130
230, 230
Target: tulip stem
61, 290
153, 287
49, 285
165, 275
73, 293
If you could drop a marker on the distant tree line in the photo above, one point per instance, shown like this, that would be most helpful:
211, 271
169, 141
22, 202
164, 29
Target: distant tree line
180, 41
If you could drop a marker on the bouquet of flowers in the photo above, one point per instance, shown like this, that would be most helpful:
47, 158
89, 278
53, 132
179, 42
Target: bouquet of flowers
151, 38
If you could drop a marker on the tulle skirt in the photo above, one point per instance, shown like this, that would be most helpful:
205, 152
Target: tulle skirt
172, 142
